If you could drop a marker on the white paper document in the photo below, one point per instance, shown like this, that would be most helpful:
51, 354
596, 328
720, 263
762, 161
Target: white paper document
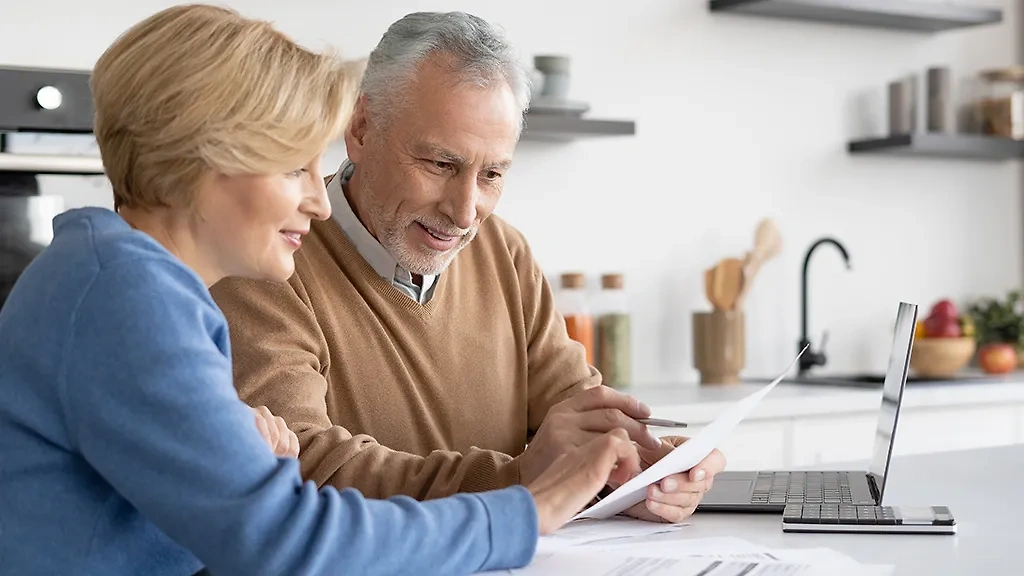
684, 457
725, 556
603, 532
601, 563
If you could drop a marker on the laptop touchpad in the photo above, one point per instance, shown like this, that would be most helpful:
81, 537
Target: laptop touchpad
729, 491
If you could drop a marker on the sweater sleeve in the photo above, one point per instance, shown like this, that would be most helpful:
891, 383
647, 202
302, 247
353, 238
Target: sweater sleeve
280, 360
557, 365
150, 406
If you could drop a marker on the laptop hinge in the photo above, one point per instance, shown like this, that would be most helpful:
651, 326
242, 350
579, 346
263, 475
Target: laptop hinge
876, 494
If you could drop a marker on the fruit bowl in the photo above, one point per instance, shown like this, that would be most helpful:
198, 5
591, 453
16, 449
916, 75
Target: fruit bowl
941, 357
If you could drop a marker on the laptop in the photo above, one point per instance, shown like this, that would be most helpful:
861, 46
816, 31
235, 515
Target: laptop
771, 490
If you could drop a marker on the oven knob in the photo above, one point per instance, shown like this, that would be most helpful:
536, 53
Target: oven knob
49, 98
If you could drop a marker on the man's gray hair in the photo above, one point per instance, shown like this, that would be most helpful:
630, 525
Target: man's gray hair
481, 54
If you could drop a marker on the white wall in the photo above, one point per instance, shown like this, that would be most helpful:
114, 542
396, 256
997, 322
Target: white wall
737, 118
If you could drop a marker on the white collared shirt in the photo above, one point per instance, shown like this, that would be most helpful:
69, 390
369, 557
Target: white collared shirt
376, 255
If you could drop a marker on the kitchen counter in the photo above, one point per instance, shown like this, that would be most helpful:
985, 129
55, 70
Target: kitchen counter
807, 425
696, 404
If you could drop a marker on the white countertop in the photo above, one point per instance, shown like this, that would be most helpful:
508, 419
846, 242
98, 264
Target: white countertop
981, 488
696, 404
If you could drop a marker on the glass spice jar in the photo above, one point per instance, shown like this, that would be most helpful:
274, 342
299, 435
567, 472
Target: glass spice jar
613, 332
1000, 111
571, 301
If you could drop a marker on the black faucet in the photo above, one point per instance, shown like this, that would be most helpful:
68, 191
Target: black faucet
812, 358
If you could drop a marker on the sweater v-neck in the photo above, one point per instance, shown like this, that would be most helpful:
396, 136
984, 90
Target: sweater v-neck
350, 256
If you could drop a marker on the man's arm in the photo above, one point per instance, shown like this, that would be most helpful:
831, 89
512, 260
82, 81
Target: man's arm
280, 361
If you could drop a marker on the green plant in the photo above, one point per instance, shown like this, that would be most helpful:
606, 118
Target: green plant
999, 320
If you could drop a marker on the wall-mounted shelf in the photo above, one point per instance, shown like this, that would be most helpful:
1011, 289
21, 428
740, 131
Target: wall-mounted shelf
909, 15
559, 128
949, 146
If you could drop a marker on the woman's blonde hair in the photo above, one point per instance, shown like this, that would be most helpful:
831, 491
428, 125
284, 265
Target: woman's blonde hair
198, 90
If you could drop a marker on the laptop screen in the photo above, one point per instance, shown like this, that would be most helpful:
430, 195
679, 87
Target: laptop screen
892, 394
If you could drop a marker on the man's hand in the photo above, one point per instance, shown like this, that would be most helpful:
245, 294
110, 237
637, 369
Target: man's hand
276, 433
675, 497
579, 420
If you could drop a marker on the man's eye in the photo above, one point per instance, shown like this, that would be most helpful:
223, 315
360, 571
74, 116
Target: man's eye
492, 175
441, 164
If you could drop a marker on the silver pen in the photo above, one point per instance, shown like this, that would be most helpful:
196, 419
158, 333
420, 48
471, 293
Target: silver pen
661, 423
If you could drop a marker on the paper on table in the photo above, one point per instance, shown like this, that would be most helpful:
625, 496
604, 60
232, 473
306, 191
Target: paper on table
684, 457
600, 563
737, 549
610, 531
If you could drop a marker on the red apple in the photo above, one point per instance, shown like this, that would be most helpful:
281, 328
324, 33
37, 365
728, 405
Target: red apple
997, 358
944, 309
942, 327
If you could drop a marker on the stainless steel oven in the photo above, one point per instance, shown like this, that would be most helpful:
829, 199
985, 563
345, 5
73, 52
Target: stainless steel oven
37, 105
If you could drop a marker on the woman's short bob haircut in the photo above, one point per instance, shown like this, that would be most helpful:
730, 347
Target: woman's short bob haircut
195, 91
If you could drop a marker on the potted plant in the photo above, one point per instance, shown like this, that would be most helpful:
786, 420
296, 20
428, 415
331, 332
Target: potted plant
999, 330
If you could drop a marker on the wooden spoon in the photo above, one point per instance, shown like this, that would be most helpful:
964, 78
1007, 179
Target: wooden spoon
712, 287
729, 282
767, 245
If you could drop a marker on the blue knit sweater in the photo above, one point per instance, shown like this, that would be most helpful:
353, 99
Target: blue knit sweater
124, 448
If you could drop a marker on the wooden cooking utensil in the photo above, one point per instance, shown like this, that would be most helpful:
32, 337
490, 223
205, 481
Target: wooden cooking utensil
729, 282
712, 287
767, 245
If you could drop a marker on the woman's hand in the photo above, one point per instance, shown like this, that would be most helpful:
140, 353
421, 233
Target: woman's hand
282, 441
575, 477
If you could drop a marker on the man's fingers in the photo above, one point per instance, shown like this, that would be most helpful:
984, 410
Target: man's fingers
673, 514
604, 397
605, 419
712, 464
677, 499
650, 457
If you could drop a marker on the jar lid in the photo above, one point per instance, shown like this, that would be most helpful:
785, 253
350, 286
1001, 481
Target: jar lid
1008, 74
612, 281
573, 280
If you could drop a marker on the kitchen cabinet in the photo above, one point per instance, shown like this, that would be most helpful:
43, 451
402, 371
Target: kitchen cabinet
821, 440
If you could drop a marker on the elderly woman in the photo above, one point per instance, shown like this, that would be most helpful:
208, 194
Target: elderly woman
124, 448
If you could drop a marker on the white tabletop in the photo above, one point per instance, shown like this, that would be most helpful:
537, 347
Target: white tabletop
981, 487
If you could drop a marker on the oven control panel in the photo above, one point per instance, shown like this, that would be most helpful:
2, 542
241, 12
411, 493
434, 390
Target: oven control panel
45, 100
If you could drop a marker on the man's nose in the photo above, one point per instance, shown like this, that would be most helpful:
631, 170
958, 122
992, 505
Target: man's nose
460, 203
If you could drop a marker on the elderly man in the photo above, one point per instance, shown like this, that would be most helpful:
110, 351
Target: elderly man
417, 350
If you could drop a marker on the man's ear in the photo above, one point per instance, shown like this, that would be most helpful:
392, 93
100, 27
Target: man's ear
355, 134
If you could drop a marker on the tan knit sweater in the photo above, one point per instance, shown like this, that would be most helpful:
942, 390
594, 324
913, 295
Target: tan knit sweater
393, 397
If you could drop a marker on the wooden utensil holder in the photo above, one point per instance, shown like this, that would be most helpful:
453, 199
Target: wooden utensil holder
719, 345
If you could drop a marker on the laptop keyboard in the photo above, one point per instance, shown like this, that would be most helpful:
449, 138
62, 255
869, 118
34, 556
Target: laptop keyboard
811, 487
840, 514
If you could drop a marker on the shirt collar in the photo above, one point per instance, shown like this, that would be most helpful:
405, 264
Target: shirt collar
375, 254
